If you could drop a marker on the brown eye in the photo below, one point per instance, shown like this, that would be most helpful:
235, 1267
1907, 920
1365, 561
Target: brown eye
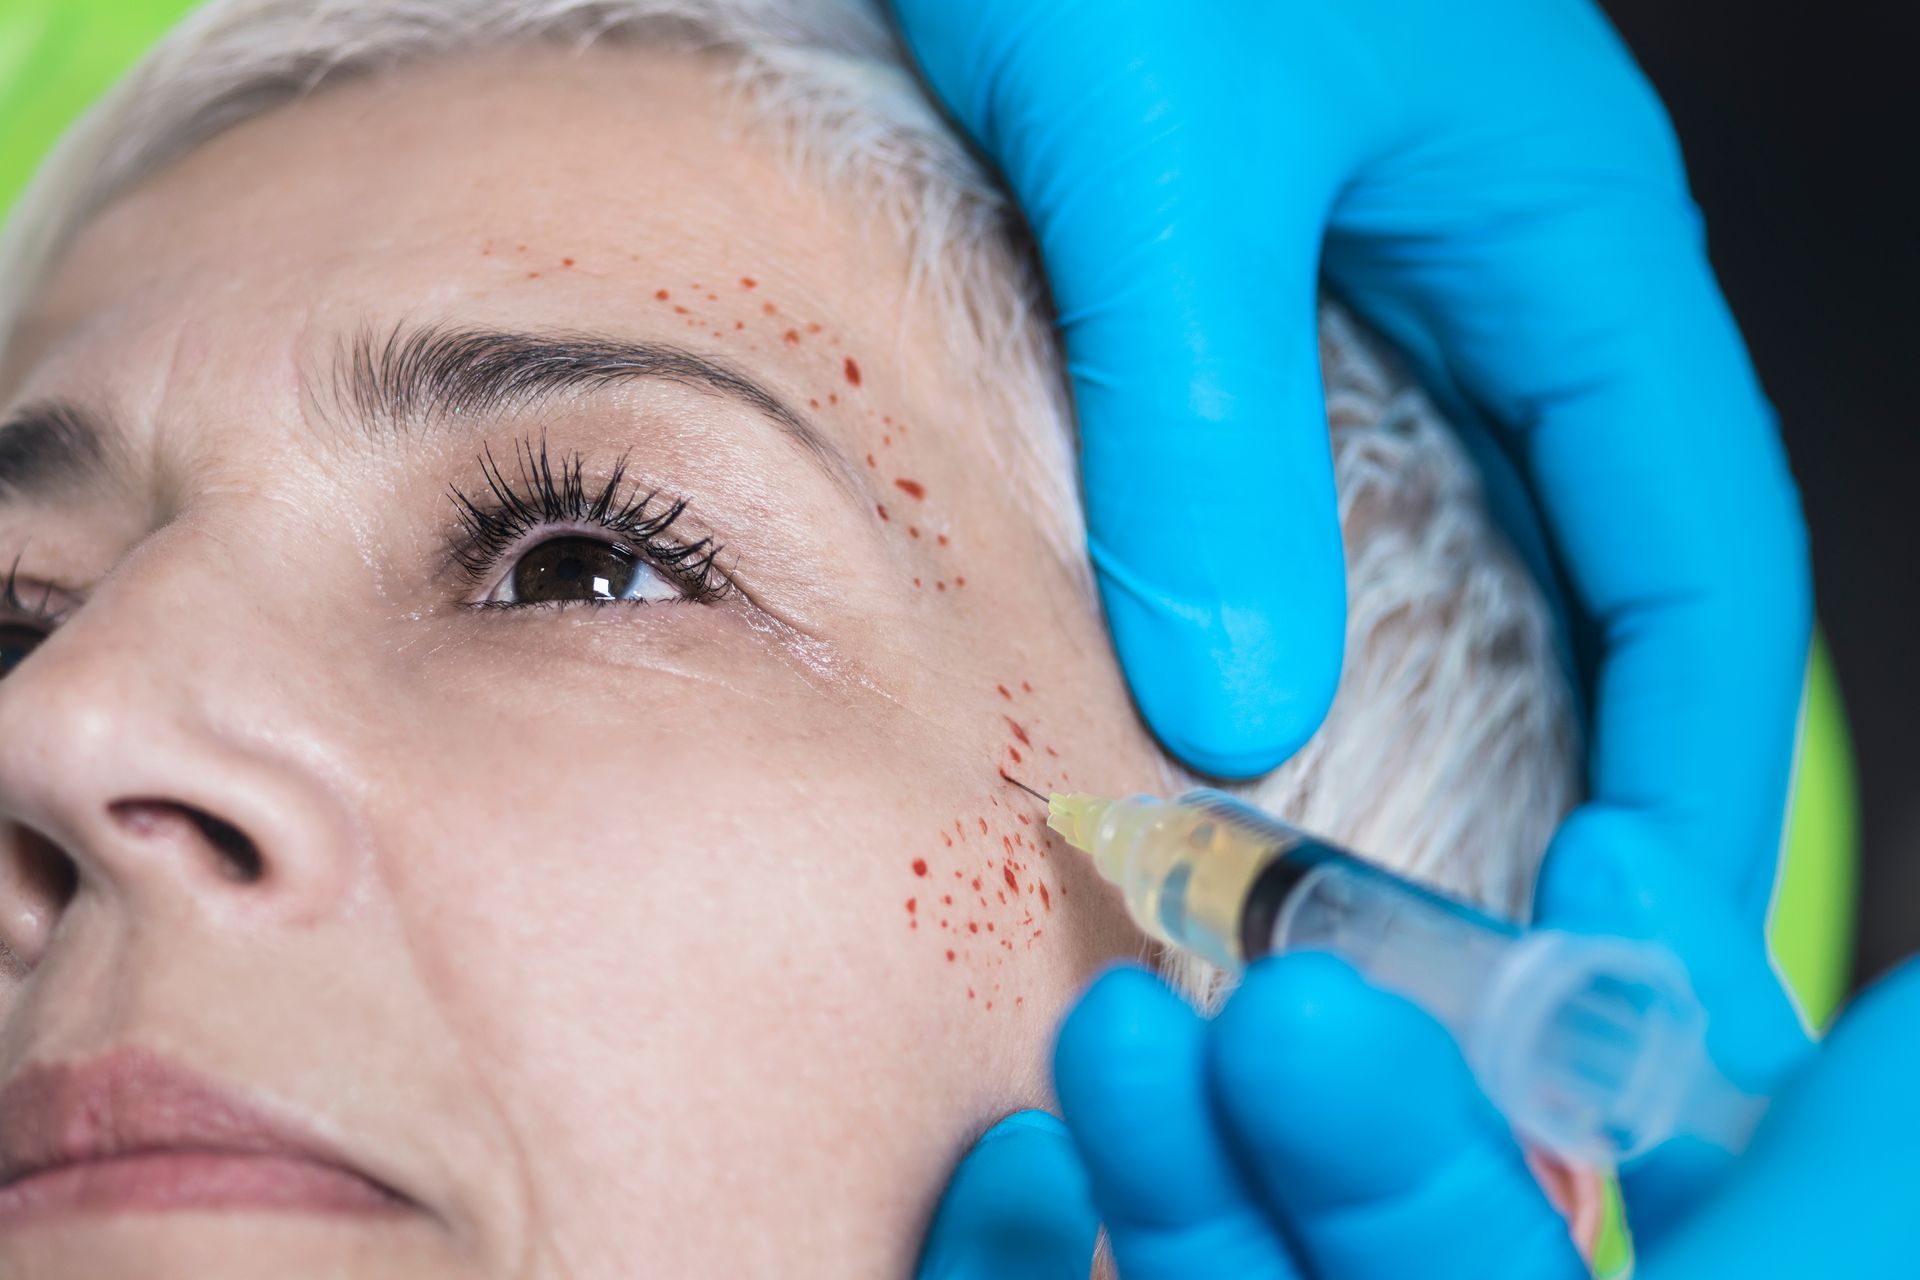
575, 568
16, 642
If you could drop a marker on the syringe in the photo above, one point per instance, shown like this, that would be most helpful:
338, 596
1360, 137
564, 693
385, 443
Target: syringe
1593, 1048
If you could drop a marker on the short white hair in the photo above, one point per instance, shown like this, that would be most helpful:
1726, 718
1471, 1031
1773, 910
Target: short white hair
1450, 751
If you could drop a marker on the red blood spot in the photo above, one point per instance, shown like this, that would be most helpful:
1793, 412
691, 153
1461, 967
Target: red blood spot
853, 372
769, 309
940, 538
661, 294
882, 510
739, 324
1015, 753
1018, 1001
792, 337
940, 584
1036, 934
1003, 901
947, 898
976, 883
990, 923
1046, 899
949, 839
1011, 882
911, 905
886, 439
1024, 685
919, 866
912, 488
959, 582
812, 403
1019, 731
680, 310
566, 262
972, 927
1003, 692
916, 582
983, 826
533, 275
833, 397
969, 993
913, 530
1006, 844
1053, 753
713, 297
871, 462
1022, 817
949, 957
748, 282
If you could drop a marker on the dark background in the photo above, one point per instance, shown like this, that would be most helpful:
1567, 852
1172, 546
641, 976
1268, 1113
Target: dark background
1799, 124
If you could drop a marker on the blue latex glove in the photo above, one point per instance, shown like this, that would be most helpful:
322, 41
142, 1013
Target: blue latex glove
1499, 191
1322, 1128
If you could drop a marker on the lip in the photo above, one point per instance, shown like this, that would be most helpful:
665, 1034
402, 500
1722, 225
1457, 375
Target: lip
132, 1131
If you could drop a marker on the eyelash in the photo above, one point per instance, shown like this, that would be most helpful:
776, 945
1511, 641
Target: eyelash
495, 523
15, 611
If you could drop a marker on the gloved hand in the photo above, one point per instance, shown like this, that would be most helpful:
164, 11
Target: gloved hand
1498, 190
1322, 1128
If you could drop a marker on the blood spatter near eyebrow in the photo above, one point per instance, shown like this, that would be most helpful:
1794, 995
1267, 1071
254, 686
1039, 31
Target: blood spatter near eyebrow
791, 337
1003, 692
566, 262
748, 282
663, 295
920, 866
1019, 731
912, 488
852, 370
882, 510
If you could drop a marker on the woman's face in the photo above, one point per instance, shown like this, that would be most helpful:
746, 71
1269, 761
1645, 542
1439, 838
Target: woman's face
691, 930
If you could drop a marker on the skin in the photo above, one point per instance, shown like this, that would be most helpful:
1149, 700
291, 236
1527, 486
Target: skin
583, 929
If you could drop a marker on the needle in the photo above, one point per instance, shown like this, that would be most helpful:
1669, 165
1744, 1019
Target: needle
1023, 786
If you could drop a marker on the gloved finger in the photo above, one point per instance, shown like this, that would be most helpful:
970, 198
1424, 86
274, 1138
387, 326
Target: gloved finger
1016, 1209
1531, 243
1187, 304
1360, 1125
1130, 1071
1829, 1184
1609, 872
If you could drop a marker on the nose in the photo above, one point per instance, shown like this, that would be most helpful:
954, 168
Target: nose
154, 753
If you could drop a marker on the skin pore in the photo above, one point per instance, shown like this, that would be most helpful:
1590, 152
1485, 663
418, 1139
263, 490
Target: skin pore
693, 931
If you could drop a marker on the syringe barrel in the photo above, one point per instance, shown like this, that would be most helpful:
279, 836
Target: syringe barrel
1588, 1046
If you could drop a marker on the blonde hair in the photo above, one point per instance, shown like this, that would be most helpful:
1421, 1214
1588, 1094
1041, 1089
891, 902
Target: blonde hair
1450, 750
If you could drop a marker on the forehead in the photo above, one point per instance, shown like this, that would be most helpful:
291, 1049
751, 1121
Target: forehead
534, 186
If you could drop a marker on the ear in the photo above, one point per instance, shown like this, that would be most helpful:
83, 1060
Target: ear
1576, 1191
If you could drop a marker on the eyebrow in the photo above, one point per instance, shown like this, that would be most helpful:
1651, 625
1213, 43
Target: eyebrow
430, 377
48, 445
419, 379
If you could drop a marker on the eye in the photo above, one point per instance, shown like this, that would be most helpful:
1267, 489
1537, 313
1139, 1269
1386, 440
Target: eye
575, 568
17, 640
628, 554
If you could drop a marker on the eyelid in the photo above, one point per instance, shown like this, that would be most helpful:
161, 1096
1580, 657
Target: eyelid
543, 503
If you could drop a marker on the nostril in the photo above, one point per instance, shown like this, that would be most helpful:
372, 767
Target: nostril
48, 873
242, 858
239, 859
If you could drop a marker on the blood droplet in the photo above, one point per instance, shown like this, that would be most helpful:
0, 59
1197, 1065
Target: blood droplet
919, 866
853, 372
912, 488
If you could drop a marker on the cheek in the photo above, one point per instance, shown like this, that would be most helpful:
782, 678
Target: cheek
675, 945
